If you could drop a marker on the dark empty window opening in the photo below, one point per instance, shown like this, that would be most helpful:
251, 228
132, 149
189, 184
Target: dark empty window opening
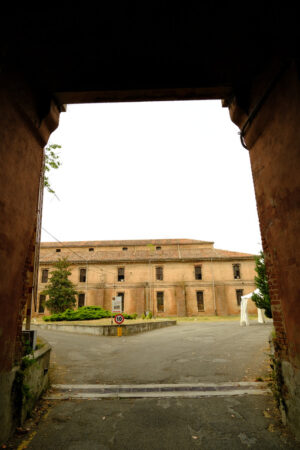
91, 249
122, 295
159, 273
45, 273
82, 275
125, 248
236, 271
57, 250
121, 273
81, 300
42, 303
160, 301
239, 294
198, 273
158, 248
200, 301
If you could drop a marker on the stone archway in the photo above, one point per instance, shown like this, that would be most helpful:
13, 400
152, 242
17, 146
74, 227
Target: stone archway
263, 96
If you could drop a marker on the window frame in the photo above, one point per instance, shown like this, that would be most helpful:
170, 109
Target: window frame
160, 307
42, 303
81, 276
42, 275
239, 293
200, 299
196, 267
236, 271
80, 296
120, 279
159, 273
122, 294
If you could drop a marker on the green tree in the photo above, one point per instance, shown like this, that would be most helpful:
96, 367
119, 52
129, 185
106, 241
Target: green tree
262, 299
52, 161
61, 291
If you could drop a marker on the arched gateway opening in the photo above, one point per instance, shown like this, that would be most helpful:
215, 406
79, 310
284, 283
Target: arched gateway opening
145, 55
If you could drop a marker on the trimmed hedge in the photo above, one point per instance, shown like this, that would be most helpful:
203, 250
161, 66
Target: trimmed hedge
85, 313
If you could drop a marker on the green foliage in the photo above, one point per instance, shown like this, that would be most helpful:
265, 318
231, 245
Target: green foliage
85, 313
262, 300
61, 290
51, 162
148, 315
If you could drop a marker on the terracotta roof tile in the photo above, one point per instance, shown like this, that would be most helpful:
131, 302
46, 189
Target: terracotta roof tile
122, 243
141, 255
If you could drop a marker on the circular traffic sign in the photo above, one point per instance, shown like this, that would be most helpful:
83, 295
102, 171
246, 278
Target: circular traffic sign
119, 319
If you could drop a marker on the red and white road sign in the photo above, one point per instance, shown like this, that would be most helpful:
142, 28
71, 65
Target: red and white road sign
119, 319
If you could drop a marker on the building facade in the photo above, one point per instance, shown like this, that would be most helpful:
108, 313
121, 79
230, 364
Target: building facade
171, 277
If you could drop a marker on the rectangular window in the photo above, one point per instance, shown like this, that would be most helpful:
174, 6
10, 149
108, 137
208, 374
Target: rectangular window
159, 273
81, 300
239, 294
236, 271
45, 273
82, 275
42, 303
121, 274
198, 273
160, 301
122, 295
200, 301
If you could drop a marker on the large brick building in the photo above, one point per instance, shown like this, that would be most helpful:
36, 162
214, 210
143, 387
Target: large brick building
167, 277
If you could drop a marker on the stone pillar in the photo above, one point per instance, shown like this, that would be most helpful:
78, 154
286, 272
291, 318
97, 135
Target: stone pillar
273, 140
26, 122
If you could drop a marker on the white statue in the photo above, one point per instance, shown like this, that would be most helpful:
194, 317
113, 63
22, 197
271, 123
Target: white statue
244, 310
261, 316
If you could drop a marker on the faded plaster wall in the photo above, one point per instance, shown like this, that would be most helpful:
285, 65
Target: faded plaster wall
179, 286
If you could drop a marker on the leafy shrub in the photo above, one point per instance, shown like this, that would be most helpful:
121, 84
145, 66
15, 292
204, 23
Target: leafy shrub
143, 316
84, 313
149, 316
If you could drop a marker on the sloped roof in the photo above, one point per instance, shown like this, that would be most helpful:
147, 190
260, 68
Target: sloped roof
123, 243
80, 256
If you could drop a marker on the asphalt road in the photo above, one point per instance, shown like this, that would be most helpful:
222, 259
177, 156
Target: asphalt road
187, 353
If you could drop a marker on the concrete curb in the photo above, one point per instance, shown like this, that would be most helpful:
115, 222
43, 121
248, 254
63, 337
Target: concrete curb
106, 330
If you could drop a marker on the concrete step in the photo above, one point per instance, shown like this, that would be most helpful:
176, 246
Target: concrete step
94, 391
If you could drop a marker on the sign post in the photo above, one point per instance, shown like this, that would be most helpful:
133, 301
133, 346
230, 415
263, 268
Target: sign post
116, 305
119, 319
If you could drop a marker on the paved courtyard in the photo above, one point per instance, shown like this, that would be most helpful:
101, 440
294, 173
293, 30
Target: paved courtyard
207, 356
189, 352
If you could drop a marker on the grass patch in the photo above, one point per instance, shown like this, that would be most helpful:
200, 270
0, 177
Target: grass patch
211, 318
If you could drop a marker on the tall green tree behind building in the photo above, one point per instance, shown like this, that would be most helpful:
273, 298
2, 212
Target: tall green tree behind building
61, 291
262, 299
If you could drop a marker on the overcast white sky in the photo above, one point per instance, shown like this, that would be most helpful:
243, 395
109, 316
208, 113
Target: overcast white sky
152, 170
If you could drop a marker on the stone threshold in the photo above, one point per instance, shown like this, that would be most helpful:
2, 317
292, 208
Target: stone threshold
97, 391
